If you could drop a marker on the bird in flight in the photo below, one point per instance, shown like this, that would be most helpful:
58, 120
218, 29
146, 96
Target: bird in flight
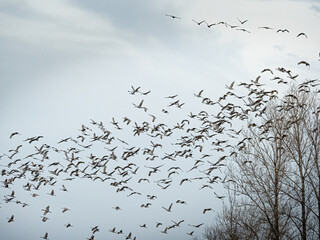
169, 208
305, 63
199, 23
243, 30
265, 27
134, 90
199, 94
242, 22
231, 86
302, 34
211, 24
11, 219
13, 134
283, 30
172, 16
45, 236
196, 226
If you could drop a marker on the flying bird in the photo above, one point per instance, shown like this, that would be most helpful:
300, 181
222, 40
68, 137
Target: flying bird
283, 30
305, 63
11, 219
199, 23
210, 25
172, 16
206, 210
134, 90
13, 134
169, 208
199, 94
243, 30
196, 226
302, 34
231, 86
267, 28
242, 22
45, 236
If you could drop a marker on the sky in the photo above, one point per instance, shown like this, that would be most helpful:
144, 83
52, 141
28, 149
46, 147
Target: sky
66, 62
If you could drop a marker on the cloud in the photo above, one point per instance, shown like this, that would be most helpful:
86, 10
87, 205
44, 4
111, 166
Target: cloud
315, 8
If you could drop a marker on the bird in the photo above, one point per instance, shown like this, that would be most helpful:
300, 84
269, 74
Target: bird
145, 205
177, 223
265, 27
169, 208
302, 34
11, 219
231, 86
172, 96
165, 231
219, 197
206, 210
172, 16
134, 90
243, 30
68, 225
242, 22
199, 23
190, 233
65, 209
267, 70
196, 226
13, 134
210, 25
51, 193
283, 30
146, 93
46, 210
129, 236
63, 189
184, 180
44, 219
199, 94
140, 106
45, 236
151, 197
305, 63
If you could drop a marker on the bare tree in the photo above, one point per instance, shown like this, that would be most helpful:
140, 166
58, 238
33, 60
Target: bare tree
297, 106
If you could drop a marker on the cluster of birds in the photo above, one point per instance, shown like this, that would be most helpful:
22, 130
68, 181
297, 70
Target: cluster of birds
239, 26
118, 163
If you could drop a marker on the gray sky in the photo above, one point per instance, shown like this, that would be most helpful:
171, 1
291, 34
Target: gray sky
66, 62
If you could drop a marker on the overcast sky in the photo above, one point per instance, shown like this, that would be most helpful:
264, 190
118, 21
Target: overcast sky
66, 62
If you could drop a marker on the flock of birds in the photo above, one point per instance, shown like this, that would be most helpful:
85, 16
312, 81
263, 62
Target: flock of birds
240, 26
202, 139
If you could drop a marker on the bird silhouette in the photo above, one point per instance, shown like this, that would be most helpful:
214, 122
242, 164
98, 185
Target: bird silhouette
282, 30
199, 23
304, 63
172, 16
45, 236
11, 219
302, 34
242, 22
169, 208
14, 134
